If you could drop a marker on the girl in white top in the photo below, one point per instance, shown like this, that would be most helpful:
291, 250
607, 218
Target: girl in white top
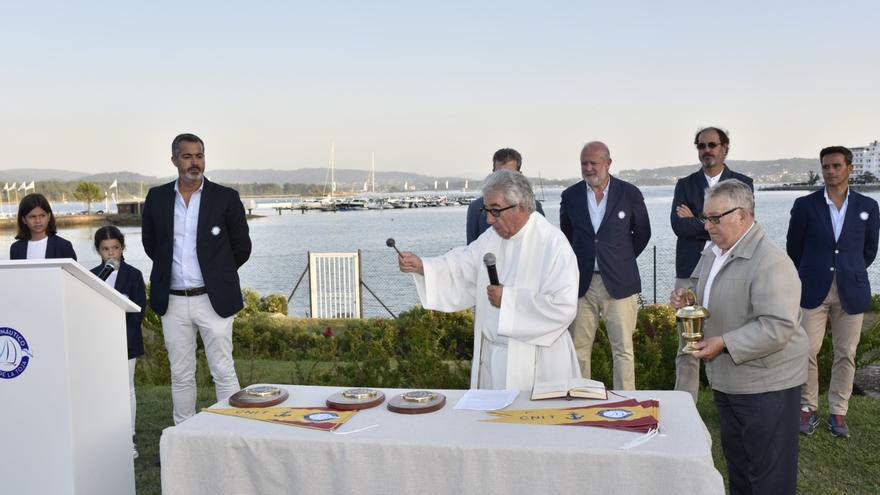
36, 237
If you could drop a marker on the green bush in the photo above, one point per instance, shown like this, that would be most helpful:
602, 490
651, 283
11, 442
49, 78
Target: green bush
274, 303
420, 348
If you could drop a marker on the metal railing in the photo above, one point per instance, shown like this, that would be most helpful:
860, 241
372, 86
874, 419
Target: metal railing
391, 292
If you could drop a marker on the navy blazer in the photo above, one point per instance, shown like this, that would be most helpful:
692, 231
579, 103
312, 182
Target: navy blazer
810, 244
476, 220
56, 247
622, 236
222, 244
130, 283
690, 232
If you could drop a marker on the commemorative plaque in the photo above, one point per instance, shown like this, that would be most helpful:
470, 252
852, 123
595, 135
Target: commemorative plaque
355, 399
258, 396
417, 402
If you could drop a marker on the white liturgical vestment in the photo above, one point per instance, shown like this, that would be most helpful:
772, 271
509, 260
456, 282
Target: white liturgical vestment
527, 339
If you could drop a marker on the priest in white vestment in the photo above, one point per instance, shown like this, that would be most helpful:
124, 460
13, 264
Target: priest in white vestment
520, 326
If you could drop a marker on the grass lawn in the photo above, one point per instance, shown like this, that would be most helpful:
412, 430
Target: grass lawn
828, 465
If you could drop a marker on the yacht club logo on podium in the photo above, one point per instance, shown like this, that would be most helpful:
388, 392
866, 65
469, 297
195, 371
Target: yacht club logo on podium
14, 353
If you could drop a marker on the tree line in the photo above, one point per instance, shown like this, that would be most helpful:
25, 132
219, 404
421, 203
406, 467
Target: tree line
130, 191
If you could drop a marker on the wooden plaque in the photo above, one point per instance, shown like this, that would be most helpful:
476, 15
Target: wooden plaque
259, 396
417, 402
355, 399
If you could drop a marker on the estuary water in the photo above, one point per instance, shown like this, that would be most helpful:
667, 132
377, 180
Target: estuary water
281, 244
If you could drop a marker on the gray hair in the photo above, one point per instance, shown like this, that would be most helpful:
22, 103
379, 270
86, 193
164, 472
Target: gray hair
734, 190
513, 186
601, 145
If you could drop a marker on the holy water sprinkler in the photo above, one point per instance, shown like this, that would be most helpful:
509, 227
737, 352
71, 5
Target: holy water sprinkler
390, 243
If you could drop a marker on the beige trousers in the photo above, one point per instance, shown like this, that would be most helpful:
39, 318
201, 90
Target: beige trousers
687, 367
620, 322
846, 330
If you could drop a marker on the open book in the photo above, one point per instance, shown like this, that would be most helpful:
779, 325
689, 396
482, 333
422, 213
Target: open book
575, 387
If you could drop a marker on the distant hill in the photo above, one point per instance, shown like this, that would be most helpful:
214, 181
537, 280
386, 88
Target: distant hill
786, 170
123, 177
763, 171
29, 174
345, 178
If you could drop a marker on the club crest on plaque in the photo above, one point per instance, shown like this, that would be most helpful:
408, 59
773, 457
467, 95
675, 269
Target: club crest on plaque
258, 396
355, 399
417, 402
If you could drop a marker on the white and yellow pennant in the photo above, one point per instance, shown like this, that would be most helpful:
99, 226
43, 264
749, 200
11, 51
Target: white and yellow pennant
629, 415
320, 418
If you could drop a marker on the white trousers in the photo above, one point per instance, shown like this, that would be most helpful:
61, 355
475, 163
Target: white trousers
185, 317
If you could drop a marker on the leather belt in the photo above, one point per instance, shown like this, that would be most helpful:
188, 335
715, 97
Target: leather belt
198, 291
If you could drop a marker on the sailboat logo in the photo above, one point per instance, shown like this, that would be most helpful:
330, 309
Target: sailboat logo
14, 353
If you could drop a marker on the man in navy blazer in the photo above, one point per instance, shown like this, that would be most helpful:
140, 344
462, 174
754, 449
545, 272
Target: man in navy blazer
504, 159
712, 144
832, 239
606, 222
196, 233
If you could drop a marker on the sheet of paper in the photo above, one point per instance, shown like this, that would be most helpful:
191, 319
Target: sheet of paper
486, 400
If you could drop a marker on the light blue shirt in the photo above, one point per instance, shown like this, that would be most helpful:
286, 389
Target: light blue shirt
837, 216
597, 212
185, 270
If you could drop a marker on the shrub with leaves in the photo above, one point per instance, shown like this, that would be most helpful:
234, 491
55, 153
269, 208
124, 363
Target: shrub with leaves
274, 303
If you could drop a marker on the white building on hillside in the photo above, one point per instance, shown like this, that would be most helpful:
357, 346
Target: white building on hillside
867, 159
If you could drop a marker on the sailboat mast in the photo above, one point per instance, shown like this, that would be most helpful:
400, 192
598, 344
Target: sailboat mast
373, 171
332, 171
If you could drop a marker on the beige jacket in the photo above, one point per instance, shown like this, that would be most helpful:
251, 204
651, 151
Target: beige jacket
755, 306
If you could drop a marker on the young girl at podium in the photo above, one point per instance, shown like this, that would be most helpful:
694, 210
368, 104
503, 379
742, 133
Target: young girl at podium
129, 281
37, 238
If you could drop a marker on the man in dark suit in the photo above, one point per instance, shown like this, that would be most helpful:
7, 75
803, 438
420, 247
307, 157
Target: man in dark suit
606, 222
832, 239
504, 159
196, 233
712, 144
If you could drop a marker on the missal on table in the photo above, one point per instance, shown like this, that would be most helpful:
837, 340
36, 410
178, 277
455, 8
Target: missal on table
582, 388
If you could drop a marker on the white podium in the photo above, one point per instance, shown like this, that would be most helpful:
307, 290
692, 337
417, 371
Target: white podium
64, 414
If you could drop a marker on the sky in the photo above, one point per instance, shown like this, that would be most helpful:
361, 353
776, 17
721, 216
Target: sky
430, 87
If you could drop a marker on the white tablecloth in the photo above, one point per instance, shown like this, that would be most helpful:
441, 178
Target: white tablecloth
448, 451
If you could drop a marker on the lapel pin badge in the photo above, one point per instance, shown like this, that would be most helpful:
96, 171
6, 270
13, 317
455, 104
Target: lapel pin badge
215, 231
621, 214
863, 215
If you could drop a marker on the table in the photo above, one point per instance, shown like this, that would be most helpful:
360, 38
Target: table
448, 451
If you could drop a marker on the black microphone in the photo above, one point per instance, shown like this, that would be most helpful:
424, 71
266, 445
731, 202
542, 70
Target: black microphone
109, 267
489, 261
390, 243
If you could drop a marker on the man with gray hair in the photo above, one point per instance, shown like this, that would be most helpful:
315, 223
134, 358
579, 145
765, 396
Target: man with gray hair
754, 347
521, 322
606, 221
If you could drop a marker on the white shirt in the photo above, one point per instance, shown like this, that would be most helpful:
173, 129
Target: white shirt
597, 212
37, 249
720, 259
185, 270
712, 180
837, 216
111, 280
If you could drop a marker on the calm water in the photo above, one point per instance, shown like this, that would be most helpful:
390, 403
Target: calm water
282, 242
